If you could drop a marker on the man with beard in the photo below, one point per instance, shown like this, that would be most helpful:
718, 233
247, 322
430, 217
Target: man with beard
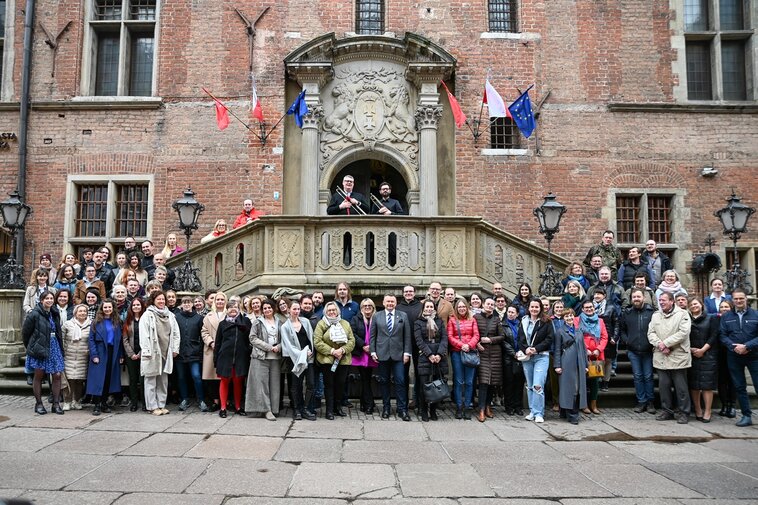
633, 327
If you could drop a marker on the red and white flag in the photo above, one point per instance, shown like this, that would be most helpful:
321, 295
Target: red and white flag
257, 109
494, 101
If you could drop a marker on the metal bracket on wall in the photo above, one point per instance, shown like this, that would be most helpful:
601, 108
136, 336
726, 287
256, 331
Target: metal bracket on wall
52, 41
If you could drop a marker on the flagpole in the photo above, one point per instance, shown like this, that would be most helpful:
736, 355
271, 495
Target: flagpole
230, 112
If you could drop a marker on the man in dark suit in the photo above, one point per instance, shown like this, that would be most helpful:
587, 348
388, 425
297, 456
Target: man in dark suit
389, 205
347, 205
391, 347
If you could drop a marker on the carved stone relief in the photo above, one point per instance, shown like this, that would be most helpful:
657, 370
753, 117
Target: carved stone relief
451, 251
289, 249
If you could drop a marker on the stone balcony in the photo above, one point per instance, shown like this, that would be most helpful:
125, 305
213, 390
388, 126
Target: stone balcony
304, 252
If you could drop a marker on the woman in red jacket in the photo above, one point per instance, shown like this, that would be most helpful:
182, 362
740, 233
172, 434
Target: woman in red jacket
595, 339
463, 335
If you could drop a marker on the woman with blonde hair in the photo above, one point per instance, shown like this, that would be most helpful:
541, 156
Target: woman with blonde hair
212, 319
361, 326
171, 248
463, 337
218, 229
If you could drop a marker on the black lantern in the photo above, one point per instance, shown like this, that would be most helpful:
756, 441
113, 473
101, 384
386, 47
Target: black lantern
549, 217
14, 212
189, 211
734, 218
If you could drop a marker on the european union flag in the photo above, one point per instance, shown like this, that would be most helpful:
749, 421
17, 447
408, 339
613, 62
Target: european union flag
521, 110
299, 108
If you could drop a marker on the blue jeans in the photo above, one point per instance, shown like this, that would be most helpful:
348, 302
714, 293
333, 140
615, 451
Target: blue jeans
397, 369
642, 370
737, 364
185, 370
535, 371
463, 375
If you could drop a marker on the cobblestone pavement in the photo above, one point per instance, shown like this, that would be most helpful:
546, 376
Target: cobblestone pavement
616, 458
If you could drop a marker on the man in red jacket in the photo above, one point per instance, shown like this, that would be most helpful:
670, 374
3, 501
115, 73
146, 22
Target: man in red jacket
248, 214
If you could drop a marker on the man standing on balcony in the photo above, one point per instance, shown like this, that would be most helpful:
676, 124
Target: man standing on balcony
389, 205
248, 214
347, 204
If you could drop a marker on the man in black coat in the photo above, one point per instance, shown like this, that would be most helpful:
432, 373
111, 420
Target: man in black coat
189, 362
633, 327
412, 307
351, 204
389, 205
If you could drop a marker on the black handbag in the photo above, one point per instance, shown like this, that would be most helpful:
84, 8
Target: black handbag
470, 358
437, 390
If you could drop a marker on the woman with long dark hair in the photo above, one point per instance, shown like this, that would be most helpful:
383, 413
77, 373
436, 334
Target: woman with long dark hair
104, 372
263, 382
39, 286
521, 301
704, 336
159, 343
297, 346
132, 351
430, 334
535, 342
66, 280
513, 370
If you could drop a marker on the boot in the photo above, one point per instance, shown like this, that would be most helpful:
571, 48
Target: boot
593, 407
466, 414
433, 412
424, 414
459, 412
488, 412
731, 412
481, 416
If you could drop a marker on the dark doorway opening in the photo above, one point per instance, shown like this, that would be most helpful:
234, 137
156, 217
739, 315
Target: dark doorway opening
369, 174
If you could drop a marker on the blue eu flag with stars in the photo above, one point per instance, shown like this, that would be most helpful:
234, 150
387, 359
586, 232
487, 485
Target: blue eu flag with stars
299, 108
521, 111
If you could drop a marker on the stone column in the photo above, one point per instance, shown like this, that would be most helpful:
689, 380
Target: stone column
309, 159
11, 317
427, 119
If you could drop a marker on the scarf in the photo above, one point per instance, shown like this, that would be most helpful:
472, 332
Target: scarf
431, 326
590, 325
162, 327
600, 307
336, 331
77, 327
578, 278
670, 287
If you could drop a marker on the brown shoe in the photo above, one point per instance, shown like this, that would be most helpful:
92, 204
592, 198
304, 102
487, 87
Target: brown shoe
488, 412
481, 416
593, 407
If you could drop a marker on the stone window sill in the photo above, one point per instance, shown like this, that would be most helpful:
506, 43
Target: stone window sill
505, 152
524, 36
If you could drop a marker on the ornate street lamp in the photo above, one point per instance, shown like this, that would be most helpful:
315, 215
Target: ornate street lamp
14, 212
189, 211
549, 216
734, 218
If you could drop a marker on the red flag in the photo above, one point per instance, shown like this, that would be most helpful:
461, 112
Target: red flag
222, 117
460, 117
257, 109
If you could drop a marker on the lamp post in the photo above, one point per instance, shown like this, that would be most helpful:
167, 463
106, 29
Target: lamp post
549, 216
189, 210
14, 212
734, 218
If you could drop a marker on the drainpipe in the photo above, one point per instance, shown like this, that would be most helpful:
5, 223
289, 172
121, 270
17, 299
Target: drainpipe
23, 122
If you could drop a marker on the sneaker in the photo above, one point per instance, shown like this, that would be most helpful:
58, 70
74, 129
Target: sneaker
745, 421
530, 417
66, 406
125, 401
613, 373
641, 407
76, 405
203, 407
682, 419
164, 411
270, 416
539, 419
184, 405
604, 386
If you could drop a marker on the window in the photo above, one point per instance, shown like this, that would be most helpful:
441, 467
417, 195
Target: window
107, 209
502, 16
643, 217
120, 48
504, 134
2, 37
718, 40
369, 17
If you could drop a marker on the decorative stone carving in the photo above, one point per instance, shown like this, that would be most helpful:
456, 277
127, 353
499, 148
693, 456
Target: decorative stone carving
428, 116
451, 252
314, 115
370, 106
288, 254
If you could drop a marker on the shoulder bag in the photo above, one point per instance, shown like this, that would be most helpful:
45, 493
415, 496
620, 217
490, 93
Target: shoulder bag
437, 390
470, 358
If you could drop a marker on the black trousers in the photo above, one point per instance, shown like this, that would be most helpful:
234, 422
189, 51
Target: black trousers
513, 388
301, 389
334, 386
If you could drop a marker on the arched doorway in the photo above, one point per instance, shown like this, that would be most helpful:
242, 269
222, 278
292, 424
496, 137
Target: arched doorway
369, 174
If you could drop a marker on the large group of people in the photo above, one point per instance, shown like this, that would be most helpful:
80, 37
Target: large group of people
88, 318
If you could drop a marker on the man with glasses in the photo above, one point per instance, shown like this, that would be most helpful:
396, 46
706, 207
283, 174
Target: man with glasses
739, 336
443, 307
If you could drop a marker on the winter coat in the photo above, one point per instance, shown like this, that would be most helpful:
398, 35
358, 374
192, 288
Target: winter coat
444, 310
152, 362
98, 348
349, 310
259, 339
673, 329
665, 263
291, 348
412, 308
191, 341
704, 372
324, 344
31, 297
611, 256
734, 333
589, 340
570, 356
633, 326
628, 270
208, 332
36, 332
491, 354
468, 334
80, 293
542, 336
614, 294
232, 349
427, 347
610, 318
509, 345
76, 352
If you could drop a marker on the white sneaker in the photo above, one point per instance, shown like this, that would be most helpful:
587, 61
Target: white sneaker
539, 419
76, 405
66, 406
270, 416
530, 417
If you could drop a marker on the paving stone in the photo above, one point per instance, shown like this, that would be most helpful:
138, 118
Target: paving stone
70, 497
309, 449
504, 501
45, 471
169, 499
136, 421
634, 481
512, 430
726, 428
137, 473
13, 416
407, 501
257, 426
341, 480
387, 451
746, 450
236, 447
98, 442
746, 468
265, 500
199, 422
31, 439
660, 452
530, 479
593, 452
710, 501
399, 430
343, 429
621, 501
430, 480
661, 430
497, 452
165, 444
592, 430
11, 493
712, 480
76, 419
257, 478
460, 430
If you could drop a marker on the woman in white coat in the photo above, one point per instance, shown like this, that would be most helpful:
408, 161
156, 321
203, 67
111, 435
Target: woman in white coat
297, 346
159, 343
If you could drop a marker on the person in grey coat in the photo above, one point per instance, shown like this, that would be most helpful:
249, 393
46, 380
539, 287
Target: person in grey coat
570, 363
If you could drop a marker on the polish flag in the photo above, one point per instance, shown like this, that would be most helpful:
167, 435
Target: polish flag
257, 109
494, 101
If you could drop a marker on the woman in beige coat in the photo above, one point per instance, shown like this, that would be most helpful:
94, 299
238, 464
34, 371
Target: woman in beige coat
76, 356
208, 333
263, 386
159, 345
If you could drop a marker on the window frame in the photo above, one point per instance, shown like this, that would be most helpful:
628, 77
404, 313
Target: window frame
507, 123
515, 18
356, 11
126, 29
113, 182
676, 208
7, 58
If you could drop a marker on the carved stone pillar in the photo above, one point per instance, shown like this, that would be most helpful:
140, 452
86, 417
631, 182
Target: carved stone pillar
427, 119
309, 156
11, 317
